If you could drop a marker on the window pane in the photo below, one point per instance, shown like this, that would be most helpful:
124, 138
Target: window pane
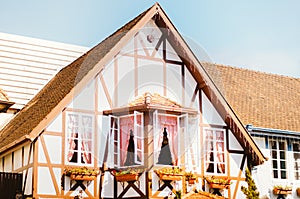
273, 145
283, 174
296, 147
275, 166
275, 173
282, 165
274, 154
282, 154
281, 146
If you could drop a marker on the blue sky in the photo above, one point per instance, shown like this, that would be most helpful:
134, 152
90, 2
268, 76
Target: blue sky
259, 35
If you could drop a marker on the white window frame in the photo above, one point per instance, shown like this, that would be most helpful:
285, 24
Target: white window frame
296, 162
278, 158
157, 128
214, 150
80, 128
115, 152
192, 160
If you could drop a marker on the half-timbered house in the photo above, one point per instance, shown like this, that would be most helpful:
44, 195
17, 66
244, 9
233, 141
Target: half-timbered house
140, 100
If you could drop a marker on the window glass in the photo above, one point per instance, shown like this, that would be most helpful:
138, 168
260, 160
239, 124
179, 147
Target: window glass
278, 154
79, 135
215, 151
296, 154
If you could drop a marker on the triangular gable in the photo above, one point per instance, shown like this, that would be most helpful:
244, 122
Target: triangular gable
48, 103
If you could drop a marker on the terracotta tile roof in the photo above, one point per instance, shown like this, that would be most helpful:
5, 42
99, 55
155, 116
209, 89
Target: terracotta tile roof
153, 99
65, 80
261, 99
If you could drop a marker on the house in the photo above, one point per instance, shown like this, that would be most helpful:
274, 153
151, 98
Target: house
27, 64
268, 105
139, 100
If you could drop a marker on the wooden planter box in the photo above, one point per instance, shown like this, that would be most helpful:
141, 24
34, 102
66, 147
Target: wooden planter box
171, 177
82, 177
127, 177
298, 192
191, 180
218, 186
282, 191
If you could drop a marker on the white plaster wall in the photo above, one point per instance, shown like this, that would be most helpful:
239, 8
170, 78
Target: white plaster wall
108, 186
103, 103
26, 154
85, 100
235, 163
45, 184
8, 163
55, 125
18, 159
190, 85
125, 86
233, 143
54, 147
150, 77
210, 115
28, 186
173, 81
41, 154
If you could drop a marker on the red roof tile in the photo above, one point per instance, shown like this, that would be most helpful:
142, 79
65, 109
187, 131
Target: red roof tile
261, 99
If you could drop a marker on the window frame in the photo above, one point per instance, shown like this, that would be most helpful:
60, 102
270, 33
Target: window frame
278, 158
80, 128
114, 139
295, 161
214, 150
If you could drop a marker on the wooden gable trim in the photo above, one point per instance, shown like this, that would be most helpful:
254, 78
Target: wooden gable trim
210, 89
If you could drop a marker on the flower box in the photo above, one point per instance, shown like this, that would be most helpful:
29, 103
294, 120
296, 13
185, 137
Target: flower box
127, 177
191, 180
218, 186
282, 191
170, 173
171, 177
82, 177
81, 173
218, 183
298, 191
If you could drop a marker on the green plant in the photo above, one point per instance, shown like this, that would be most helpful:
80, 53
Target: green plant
178, 194
128, 171
215, 180
251, 191
283, 187
170, 170
190, 175
81, 171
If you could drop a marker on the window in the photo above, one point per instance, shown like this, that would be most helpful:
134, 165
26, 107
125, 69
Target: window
79, 136
214, 151
166, 138
278, 155
126, 138
296, 154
